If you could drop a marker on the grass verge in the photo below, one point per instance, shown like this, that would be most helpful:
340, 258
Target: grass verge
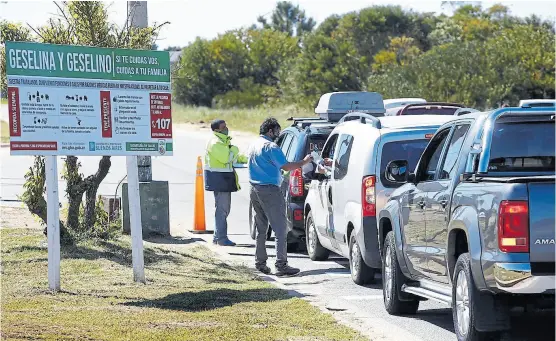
248, 120
4, 132
190, 296
3, 101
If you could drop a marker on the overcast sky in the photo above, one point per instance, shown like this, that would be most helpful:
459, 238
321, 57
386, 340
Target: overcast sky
207, 18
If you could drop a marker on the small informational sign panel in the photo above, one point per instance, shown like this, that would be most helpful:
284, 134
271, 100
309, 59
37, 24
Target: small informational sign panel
76, 100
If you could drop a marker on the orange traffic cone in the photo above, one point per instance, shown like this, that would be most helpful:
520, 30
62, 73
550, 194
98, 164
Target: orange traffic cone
199, 225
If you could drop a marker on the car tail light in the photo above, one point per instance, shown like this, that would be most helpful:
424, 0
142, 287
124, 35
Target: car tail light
513, 226
368, 196
296, 183
297, 215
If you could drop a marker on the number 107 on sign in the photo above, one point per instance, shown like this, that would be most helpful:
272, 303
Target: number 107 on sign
162, 123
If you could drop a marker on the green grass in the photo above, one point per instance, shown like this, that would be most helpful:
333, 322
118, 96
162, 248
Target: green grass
3, 101
248, 120
190, 295
4, 132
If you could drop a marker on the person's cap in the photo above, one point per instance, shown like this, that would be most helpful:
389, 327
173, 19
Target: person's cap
216, 124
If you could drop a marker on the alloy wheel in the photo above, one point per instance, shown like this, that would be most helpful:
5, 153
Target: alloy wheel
312, 238
462, 303
388, 274
355, 258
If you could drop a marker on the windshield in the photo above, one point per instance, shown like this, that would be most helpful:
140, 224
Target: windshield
522, 147
430, 111
401, 150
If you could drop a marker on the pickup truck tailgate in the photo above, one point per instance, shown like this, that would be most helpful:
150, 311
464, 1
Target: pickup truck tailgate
541, 222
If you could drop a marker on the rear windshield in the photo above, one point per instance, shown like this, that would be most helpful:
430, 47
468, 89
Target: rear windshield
522, 147
401, 150
430, 111
316, 143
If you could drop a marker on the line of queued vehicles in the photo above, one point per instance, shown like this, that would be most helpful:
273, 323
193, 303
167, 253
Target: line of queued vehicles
449, 203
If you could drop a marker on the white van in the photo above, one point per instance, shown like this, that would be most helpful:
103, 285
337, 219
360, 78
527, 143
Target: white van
341, 206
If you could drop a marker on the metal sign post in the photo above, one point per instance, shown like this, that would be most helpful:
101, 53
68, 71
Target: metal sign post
135, 220
53, 223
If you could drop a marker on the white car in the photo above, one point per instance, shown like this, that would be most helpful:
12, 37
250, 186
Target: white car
341, 205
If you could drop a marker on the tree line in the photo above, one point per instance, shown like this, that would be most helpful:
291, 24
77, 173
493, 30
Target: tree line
479, 57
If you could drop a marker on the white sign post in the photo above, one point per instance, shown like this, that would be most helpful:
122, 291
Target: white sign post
88, 101
53, 223
135, 220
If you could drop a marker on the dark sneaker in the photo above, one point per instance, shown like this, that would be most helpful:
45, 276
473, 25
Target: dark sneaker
286, 270
215, 242
264, 269
226, 242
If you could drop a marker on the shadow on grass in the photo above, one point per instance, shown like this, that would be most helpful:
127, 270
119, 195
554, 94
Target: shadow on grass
118, 254
172, 240
211, 299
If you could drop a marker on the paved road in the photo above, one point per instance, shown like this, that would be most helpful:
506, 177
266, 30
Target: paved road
327, 284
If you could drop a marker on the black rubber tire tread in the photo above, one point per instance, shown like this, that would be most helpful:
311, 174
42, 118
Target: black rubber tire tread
395, 306
321, 253
464, 263
366, 274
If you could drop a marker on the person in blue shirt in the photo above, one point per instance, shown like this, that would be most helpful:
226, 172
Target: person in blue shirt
266, 160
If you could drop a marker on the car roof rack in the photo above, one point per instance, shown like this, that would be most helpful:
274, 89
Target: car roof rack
304, 122
430, 104
363, 118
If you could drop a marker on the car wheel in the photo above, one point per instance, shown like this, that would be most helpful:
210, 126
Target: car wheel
314, 248
465, 304
252, 229
361, 273
392, 281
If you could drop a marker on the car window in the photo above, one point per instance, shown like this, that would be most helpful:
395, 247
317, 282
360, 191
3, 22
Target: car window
315, 143
522, 147
293, 149
400, 150
342, 159
431, 156
328, 150
449, 165
286, 142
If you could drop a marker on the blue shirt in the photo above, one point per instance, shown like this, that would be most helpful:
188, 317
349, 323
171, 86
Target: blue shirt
265, 162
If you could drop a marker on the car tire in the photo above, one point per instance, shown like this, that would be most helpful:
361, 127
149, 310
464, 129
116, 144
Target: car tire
392, 281
315, 250
465, 303
361, 273
252, 229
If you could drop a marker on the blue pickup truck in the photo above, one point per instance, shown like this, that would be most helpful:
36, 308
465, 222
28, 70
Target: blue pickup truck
473, 225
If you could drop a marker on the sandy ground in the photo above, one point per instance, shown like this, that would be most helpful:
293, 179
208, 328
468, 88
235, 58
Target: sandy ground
17, 217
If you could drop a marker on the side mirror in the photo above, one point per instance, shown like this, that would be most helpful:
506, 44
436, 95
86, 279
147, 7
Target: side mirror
397, 171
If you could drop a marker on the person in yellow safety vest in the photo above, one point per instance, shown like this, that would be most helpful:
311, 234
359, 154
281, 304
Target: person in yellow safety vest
221, 178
